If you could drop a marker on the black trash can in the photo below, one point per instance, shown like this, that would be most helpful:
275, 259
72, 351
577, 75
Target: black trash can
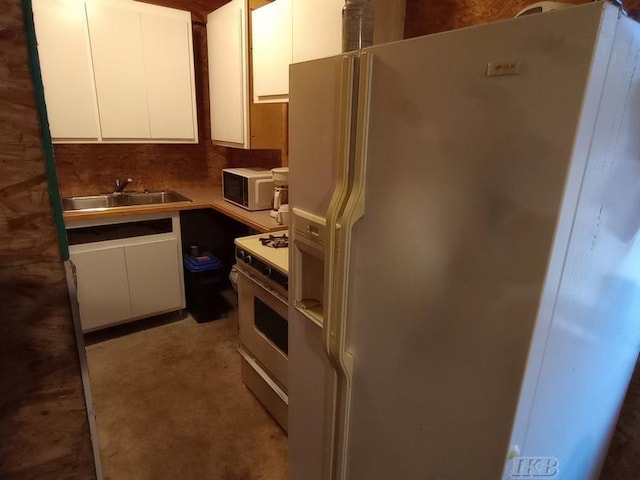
202, 283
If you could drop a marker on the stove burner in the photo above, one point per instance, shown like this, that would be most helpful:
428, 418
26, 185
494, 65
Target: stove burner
275, 241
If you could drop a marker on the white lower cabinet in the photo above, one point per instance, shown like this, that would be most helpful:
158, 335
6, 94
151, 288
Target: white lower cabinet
103, 287
154, 276
126, 278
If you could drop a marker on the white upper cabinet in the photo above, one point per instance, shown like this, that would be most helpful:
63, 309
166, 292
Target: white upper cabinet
317, 29
271, 40
236, 121
65, 61
168, 63
317, 26
118, 64
136, 77
292, 31
227, 44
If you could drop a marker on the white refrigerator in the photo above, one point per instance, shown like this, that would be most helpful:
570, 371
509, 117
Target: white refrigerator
465, 257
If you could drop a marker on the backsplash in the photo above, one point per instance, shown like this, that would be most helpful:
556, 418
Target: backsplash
237, 157
90, 169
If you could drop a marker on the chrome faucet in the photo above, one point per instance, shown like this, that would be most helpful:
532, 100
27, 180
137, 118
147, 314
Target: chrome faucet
120, 185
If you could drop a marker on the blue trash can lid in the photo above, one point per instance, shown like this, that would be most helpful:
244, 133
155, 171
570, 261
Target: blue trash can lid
201, 263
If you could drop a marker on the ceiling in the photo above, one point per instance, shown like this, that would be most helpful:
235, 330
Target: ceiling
201, 8
198, 8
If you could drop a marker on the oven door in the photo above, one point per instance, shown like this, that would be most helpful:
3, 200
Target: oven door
264, 329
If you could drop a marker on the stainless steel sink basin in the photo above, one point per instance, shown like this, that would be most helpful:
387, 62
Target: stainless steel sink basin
112, 200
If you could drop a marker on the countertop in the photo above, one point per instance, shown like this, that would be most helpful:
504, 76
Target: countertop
202, 197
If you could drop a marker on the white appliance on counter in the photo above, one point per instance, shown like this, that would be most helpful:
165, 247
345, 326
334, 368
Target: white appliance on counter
249, 188
280, 189
262, 263
465, 261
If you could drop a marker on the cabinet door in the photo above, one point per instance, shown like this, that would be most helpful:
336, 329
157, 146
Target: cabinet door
154, 277
317, 29
103, 289
118, 63
65, 61
271, 41
168, 62
317, 26
228, 83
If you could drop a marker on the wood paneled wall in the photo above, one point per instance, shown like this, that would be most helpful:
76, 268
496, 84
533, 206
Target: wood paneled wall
424, 17
43, 426
623, 459
44, 430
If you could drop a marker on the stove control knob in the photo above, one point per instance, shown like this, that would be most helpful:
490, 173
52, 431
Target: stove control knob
240, 254
248, 259
267, 270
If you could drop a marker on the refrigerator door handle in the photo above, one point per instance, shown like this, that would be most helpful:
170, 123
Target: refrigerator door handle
337, 273
339, 197
337, 204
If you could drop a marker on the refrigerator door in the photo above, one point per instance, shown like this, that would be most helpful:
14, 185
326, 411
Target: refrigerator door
464, 145
321, 103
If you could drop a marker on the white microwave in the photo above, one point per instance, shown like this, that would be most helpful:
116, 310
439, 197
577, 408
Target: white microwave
250, 188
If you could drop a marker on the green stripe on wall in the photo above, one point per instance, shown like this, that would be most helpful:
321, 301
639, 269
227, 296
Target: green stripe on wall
47, 145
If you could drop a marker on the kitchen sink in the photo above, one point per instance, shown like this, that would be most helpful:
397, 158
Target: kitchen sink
126, 199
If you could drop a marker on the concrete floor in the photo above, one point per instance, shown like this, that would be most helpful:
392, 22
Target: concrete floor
170, 404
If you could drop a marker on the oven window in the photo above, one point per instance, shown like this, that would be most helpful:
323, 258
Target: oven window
272, 325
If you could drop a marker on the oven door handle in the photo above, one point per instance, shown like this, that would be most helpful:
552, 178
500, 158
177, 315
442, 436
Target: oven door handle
266, 287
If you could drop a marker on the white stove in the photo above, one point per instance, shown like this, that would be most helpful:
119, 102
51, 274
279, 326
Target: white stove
262, 263
266, 255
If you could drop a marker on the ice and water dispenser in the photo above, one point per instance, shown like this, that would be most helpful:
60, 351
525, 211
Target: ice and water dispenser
309, 239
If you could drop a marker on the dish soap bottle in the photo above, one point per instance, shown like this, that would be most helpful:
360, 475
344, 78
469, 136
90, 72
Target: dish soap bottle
357, 25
